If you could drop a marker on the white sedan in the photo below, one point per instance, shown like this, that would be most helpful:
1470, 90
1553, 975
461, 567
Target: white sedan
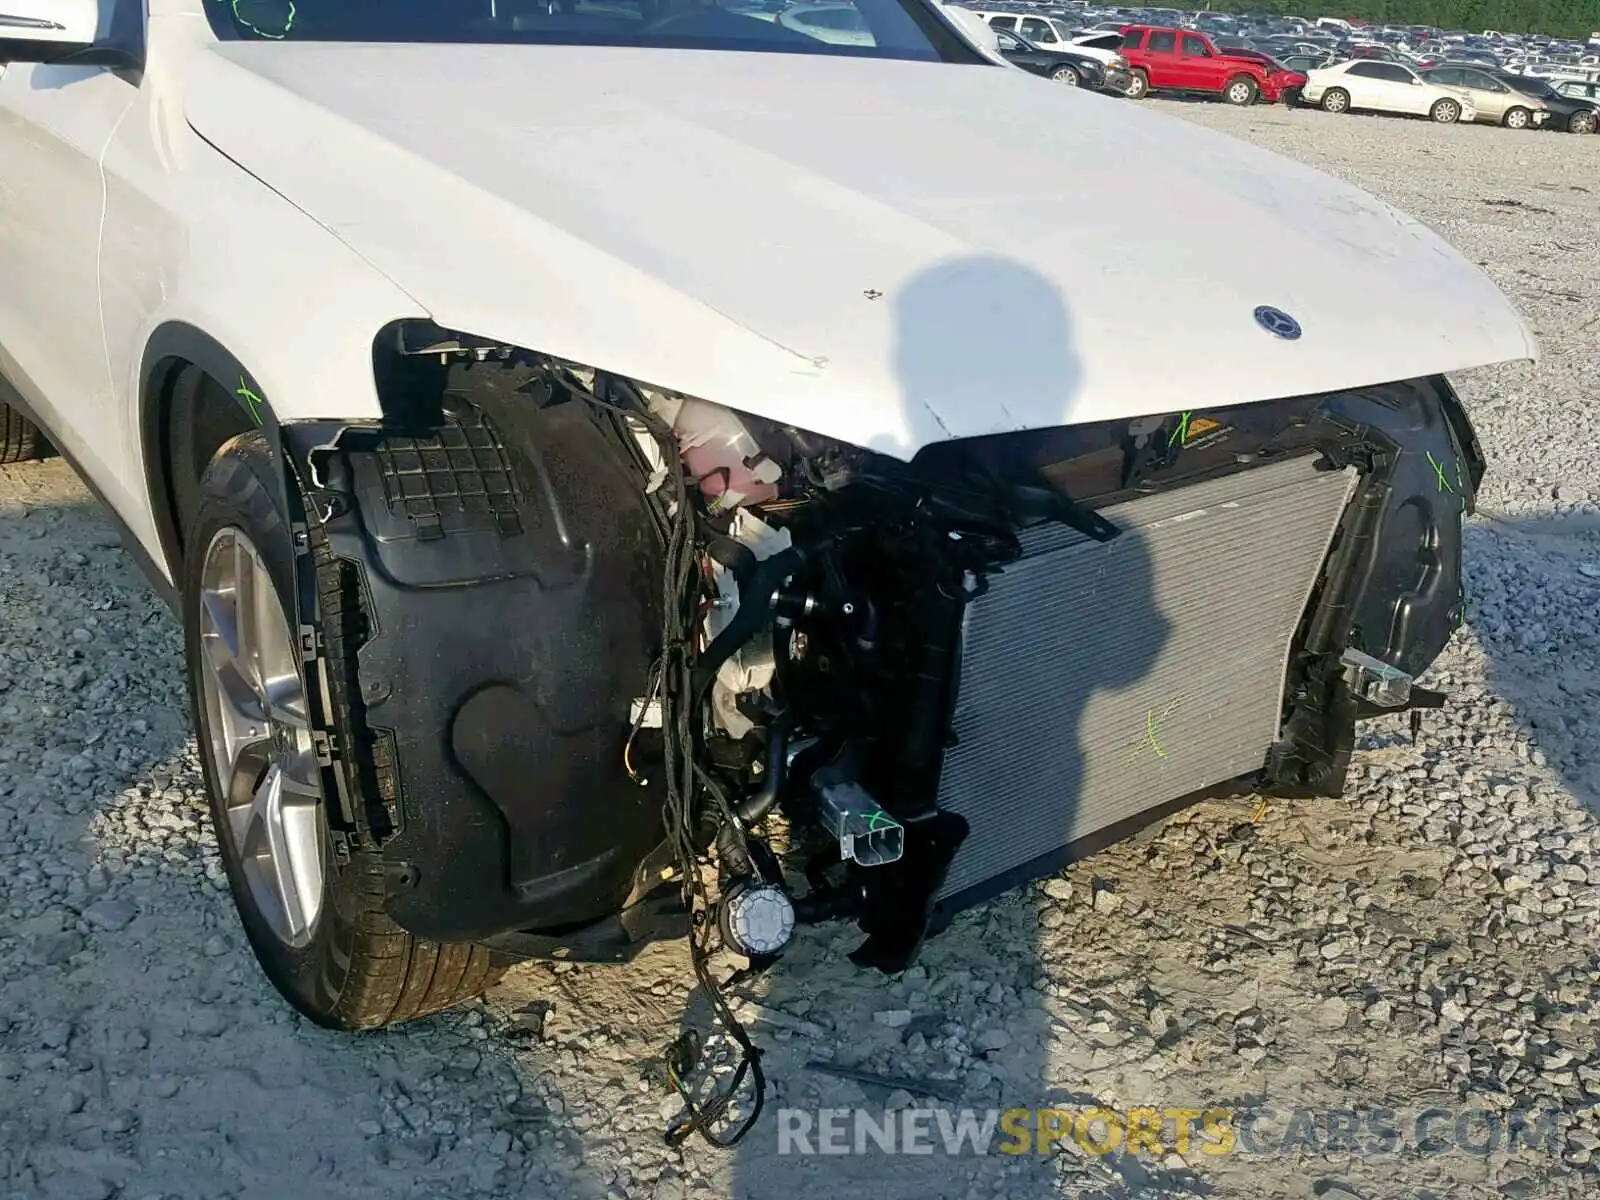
554, 481
1384, 87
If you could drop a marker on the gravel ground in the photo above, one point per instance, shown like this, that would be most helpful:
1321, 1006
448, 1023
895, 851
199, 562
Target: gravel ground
1428, 940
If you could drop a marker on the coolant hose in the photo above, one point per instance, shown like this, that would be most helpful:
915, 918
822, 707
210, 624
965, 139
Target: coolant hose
755, 600
759, 802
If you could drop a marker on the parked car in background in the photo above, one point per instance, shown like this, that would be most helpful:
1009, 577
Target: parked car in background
1071, 70
1496, 101
1385, 87
1577, 89
1290, 80
1102, 45
1177, 60
1047, 33
1303, 63
1568, 113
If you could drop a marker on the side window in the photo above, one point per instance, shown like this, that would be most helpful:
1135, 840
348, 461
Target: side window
1036, 31
1006, 42
1132, 39
1449, 76
1162, 42
1366, 70
1003, 23
1194, 47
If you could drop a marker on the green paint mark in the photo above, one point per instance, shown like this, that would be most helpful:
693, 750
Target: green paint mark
878, 821
1438, 474
1180, 435
244, 22
248, 395
1150, 733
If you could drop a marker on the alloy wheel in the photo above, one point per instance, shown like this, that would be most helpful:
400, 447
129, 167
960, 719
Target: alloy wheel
261, 746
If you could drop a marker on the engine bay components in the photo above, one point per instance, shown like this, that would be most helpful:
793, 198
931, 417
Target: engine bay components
868, 836
678, 635
756, 918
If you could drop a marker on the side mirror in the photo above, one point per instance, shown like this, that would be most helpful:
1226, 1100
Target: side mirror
41, 30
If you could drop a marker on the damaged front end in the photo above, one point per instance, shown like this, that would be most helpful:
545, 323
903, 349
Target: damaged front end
631, 655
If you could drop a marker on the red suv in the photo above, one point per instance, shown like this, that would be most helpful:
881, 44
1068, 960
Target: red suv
1180, 60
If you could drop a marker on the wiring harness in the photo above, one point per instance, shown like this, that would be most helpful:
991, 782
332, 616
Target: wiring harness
695, 802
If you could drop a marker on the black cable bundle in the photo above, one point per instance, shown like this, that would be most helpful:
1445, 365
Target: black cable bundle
686, 778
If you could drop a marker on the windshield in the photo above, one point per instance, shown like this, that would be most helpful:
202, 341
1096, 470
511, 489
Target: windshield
874, 28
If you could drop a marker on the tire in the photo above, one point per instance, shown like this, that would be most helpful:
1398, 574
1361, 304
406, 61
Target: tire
1066, 76
330, 949
20, 439
1336, 100
1583, 122
1241, 90
1138, 86
1517, 117
1445, 112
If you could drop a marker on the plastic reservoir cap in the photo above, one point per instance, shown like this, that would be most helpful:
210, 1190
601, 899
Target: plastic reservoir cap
757, 918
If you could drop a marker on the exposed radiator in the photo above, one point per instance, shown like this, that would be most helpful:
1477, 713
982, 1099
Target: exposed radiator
1098, 680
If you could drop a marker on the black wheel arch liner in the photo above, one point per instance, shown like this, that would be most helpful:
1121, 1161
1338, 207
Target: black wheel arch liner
494, 676
170, 347
508, 570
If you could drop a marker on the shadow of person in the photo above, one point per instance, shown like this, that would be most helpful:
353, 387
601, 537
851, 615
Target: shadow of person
967, 1032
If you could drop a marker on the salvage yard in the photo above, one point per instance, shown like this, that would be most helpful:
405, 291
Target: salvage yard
1429, 942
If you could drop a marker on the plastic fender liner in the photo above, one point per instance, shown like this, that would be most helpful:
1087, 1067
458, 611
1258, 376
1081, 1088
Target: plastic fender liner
1392, 585
1405, 596
510, 575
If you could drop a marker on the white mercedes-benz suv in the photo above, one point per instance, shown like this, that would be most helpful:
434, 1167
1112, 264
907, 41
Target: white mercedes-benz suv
581, 440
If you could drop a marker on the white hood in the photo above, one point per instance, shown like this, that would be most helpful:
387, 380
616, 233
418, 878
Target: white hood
889, 253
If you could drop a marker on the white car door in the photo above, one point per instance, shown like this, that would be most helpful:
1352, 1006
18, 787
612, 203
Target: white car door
55, 122
1410, 94
1369, 89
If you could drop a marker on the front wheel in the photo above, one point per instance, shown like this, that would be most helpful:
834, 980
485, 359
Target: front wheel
1138, 86
1583, 122
317, 924
1517, 118
1066, 76
1241, 91
1445, 112
20, 439
1336, 100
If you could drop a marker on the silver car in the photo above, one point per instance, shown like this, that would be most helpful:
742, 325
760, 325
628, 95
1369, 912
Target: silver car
1496, 101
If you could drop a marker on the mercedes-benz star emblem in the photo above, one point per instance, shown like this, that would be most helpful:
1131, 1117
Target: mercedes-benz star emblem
1277, 322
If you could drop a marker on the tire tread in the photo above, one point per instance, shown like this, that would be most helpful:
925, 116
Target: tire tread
20, 439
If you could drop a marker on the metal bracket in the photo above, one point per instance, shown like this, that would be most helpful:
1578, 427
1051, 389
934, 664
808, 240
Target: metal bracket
1374, 680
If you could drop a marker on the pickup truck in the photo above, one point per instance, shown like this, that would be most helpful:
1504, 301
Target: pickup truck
1180, 60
